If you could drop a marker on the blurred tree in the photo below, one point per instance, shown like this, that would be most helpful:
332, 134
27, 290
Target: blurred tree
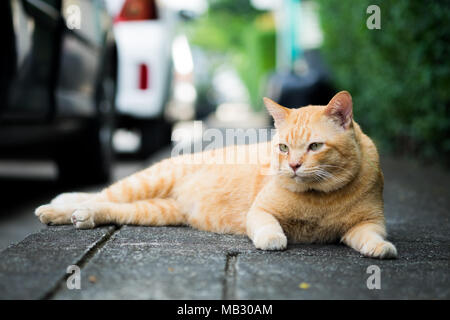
399, 75
243, 35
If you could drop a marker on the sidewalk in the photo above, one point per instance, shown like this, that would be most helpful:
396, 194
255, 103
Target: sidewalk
182, 263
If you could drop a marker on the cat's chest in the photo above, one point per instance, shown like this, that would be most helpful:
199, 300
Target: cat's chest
312, 221
311, 229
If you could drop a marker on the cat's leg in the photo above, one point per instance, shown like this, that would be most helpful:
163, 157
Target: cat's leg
153, 212
265, 231
156, 181
369, 239
73, 197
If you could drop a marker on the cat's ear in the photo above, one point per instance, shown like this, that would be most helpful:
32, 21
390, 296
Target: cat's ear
279, 113
340, 109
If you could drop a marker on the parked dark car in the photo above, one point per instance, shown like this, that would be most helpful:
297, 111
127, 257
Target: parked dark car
57, 85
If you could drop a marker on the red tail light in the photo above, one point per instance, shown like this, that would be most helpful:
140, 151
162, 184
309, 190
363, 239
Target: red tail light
143, 76
137, 10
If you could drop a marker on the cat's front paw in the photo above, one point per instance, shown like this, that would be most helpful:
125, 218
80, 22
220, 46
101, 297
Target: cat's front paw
83, 218
53, 215
268, 239
379, 249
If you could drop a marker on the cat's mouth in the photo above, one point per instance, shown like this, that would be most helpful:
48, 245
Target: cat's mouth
304, 177
309, 176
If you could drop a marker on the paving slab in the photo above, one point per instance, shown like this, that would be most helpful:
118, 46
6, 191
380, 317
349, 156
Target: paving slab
182, 238
32, 268
334, 274
158, 263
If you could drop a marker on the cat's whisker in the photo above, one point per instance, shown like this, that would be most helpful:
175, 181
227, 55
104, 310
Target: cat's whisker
316, 173
337, 167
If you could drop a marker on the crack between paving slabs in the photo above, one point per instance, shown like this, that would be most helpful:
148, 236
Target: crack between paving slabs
229, 282
86, 257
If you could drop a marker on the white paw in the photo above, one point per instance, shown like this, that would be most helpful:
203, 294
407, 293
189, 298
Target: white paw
51, 214
268, 238
379, 249
83, 218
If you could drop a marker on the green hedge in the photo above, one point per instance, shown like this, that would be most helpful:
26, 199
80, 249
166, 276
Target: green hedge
399, 76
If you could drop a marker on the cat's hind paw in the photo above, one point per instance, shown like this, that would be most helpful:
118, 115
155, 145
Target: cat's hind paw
83, 218
267, 239
52, 215
380, 250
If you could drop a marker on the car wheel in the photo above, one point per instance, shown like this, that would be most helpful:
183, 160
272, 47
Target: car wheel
88, 158
154, 135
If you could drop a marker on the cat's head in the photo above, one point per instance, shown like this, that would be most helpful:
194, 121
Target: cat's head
315, 147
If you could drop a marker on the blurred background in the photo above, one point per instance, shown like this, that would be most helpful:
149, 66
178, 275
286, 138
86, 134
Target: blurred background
92, 90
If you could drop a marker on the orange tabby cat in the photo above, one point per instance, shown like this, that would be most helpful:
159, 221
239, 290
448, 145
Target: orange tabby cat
324, 185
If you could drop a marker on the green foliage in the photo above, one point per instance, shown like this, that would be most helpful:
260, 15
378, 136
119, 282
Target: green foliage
399, 76
256, 60
243, 36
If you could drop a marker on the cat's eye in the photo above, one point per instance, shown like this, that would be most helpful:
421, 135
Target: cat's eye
283, 148
315, 146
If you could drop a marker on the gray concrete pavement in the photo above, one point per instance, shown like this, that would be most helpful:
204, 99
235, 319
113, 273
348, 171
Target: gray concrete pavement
182, 263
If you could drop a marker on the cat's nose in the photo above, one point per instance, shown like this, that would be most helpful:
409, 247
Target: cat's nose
295, 165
